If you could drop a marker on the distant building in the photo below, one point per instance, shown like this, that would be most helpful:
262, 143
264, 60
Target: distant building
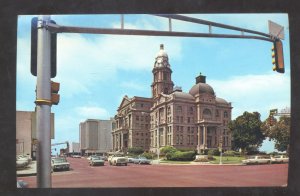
74, 147
95, 136
194, 120
26, 132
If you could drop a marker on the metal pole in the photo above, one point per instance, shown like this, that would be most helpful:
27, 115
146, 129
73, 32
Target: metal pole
43, 108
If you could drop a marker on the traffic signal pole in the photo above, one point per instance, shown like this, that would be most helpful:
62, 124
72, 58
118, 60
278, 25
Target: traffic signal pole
43, 104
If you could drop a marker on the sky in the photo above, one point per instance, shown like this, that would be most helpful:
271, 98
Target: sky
96, 71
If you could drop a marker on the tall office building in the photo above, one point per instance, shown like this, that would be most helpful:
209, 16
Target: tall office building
95, 136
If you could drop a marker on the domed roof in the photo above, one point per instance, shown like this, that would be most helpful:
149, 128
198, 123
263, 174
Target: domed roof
182, 95
201, 88
162, 52
221, 101
162, 59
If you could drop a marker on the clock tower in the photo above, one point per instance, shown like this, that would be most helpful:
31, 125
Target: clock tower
162, 82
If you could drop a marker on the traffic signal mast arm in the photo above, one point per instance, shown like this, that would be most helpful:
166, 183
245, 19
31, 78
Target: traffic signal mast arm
277, 54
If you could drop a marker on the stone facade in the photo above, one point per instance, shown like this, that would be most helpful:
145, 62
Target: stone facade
194, 120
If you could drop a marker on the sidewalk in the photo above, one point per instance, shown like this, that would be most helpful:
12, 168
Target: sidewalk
30, 170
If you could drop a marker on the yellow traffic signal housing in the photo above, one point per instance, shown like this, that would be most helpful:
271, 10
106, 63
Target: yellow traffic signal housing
54, 92
277, 56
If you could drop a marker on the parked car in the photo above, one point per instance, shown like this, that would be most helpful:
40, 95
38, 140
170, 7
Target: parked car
130, 159
117, 159
27, 157
60, 163
96, 161
89, 158
257, 160
21, 162
22, 184
280, 159
141, 160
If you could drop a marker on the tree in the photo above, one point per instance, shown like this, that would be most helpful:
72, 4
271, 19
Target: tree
246, 131
279, 132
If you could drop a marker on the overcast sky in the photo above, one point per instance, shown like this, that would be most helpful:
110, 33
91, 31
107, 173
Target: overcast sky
96, 71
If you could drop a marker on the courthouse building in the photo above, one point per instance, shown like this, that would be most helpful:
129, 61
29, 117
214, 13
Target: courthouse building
194, 120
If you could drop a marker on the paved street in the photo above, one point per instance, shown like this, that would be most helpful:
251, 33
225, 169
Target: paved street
83, 175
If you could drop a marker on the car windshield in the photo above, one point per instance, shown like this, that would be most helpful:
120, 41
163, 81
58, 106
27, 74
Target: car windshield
96, 158
142, 158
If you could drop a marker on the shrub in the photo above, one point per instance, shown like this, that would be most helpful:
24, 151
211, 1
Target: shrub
213, 152
135, 150
148, 155
231, 153
181, 156
167, 149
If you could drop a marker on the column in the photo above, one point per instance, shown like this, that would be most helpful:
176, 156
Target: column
199, 139
204, 136
122, 142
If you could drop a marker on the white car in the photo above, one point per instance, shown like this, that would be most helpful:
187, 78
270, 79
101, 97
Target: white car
117, 160
257, 160
280, 159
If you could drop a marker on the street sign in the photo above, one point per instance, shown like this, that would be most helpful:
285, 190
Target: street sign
276, 30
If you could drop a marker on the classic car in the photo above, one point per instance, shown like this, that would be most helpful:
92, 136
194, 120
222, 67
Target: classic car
117, 159
280, 159
96, 161
59, 163
257, 160
141, 160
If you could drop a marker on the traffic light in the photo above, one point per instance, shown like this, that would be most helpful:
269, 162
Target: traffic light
277, 56
53, 47
54, 93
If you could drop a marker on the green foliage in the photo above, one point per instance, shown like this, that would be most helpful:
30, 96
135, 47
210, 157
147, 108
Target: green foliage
181, 156
167, 149
148, 155
246, 131
279, 132
213, 152
135, 150
232, 153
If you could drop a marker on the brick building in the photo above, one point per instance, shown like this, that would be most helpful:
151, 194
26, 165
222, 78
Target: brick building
194, 120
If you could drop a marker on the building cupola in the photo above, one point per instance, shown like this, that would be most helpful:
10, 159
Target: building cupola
200, 79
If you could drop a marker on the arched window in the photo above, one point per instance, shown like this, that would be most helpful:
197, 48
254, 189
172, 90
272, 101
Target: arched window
207, 114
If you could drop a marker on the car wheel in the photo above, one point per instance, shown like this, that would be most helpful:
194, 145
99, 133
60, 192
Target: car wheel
268, 162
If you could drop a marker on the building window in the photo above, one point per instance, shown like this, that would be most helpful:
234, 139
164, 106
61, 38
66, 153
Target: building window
169, 110
142, 105
179, 109
225, 114
188, 119
181, 129
217, 113
181, 119
207, 114
191, 110
177, 118
177, 139
137, 118
177, 128
181, 139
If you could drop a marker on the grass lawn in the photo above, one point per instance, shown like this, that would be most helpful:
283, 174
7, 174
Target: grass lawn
227, 160
175, 162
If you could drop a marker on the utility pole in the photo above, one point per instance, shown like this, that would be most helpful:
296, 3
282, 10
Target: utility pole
43, 104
